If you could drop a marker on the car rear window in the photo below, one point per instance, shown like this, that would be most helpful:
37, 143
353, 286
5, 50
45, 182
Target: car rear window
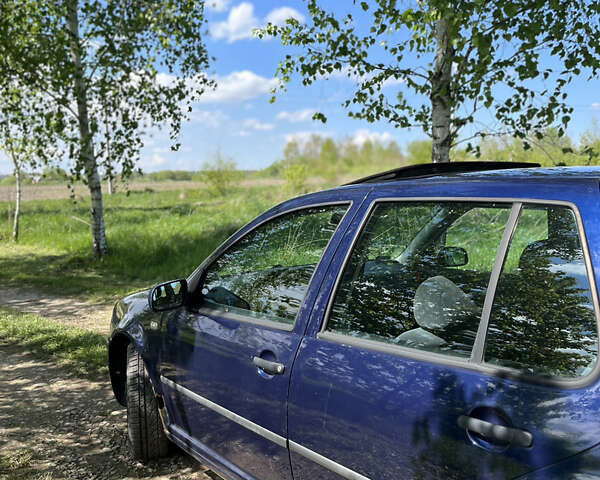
418, 273
542, 320
418, 276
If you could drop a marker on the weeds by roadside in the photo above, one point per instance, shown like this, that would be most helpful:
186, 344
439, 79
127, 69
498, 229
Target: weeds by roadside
16, 465
85, 351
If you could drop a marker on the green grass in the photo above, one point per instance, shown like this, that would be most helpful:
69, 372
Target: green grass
81, 349
16, 465
152, 236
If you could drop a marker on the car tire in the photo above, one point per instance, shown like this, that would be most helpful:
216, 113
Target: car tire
144, 426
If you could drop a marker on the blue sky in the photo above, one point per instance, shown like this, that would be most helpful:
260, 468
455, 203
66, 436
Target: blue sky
238, 119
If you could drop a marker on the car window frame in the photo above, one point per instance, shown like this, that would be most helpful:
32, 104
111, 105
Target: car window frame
200, 272
476, 361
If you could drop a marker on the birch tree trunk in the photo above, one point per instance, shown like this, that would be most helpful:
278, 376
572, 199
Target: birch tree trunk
15, 234
86, 146
441, 96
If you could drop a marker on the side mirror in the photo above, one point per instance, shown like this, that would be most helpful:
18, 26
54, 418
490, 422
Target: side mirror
168, 295
452, 257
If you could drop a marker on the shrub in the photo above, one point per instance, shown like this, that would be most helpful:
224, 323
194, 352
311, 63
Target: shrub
295, 178
221, 174
9, 180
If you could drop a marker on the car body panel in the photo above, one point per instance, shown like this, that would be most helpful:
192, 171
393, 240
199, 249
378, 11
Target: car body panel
355, 411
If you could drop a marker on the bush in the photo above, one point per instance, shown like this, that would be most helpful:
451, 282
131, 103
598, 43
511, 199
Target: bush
295, 178
10, 180
221, 175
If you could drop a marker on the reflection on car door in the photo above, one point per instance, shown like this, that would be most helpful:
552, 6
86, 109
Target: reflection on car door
226, 362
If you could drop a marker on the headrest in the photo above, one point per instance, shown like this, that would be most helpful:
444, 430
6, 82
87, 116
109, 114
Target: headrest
543, 253
439, 302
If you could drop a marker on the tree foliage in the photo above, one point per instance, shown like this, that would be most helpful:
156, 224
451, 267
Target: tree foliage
109, 71
437, 64
22, 136
332, 159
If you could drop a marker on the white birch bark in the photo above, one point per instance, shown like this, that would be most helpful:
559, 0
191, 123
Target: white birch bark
441, 103
87, 148
15, 233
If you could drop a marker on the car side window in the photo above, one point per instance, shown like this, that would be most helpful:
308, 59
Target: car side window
480, 224
542, 320
265, 275
402, 283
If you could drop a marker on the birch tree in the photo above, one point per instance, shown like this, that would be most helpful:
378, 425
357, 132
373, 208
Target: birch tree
141, 61
22, 136
437, 65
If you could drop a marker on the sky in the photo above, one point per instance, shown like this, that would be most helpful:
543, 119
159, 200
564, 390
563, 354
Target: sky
238, 120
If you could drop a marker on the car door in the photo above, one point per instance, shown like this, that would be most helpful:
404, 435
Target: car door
227, 356
415, 367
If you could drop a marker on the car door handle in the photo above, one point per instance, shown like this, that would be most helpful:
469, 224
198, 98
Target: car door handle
272, 368
514, 436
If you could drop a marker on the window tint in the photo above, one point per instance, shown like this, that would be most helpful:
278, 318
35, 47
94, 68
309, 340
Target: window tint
408, 281
265, 274
543, 320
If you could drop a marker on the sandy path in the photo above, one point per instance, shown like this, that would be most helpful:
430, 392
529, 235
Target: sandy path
72, 428
93, 316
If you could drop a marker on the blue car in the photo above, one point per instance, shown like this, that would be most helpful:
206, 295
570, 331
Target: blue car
431, 322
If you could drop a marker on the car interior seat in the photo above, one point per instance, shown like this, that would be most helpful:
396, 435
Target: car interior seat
438, 303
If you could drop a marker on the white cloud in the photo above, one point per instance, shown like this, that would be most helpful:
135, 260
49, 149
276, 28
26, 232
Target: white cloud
239, 24
255, 124
303, 137
212, 119
238, 86
358, 137
595, 106
347, 73
303, 115
361, 136
217, 5
281, 14
6, 166
241, 21
157, 160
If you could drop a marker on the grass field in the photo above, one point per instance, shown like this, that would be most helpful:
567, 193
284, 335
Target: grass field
84, 351
152, 235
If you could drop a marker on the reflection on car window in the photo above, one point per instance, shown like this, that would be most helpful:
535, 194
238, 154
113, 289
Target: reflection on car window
542, 320
415, 277
265, 275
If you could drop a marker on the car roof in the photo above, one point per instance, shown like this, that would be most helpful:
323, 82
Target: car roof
556, 183
543, 175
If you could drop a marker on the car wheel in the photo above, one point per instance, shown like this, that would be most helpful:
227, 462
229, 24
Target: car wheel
144, 426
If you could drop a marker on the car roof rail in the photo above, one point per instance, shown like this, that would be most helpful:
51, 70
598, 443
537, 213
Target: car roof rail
435, 169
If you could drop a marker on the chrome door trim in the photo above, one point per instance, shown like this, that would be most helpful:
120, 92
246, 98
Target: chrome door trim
234, 417
263, 432
326, 462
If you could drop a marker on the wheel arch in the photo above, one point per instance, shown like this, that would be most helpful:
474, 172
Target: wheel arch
117, 365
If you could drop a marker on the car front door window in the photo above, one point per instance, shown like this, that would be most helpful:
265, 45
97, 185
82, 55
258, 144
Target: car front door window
265, 275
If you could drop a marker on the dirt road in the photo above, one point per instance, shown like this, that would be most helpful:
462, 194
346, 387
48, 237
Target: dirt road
54, 425
71, 310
